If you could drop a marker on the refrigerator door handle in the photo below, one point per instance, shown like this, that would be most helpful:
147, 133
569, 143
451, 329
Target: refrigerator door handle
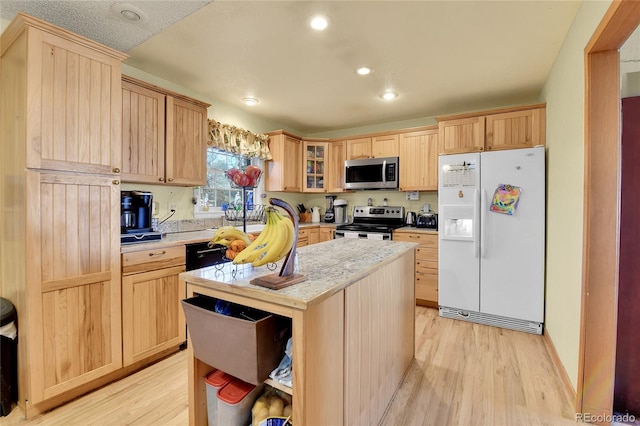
476, 223
483, 220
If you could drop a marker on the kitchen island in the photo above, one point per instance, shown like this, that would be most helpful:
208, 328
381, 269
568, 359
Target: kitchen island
352, 327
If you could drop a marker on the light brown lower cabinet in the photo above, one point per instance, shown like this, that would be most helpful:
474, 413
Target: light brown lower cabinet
314, 235
426, 265
152, 318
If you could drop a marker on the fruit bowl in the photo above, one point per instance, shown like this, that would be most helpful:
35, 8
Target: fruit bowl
247, 178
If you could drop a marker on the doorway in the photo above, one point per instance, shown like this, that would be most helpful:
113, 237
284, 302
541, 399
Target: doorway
596, 370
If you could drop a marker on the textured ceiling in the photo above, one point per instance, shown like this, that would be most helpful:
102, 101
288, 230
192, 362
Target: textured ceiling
95, 20
440, 56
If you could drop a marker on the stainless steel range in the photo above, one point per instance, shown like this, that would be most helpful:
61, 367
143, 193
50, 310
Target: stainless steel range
372, 222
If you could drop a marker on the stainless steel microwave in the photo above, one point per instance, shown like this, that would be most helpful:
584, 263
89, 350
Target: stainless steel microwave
371, 173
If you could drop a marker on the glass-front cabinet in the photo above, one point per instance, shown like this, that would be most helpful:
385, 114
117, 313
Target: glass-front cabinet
315, 166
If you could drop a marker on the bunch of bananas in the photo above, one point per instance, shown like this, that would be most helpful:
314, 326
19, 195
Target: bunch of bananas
273, 243
227, 235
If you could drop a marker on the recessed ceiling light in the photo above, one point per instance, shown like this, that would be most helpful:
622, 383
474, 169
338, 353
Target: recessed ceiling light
364, 70
319, 22
389, 95
250, 101
129, 13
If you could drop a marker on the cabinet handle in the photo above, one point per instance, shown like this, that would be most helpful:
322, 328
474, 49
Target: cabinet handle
161, 179
158, 254
116, 170
115, 182
170, 179
414, 236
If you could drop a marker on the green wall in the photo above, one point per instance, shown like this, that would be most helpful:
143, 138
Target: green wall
564, 94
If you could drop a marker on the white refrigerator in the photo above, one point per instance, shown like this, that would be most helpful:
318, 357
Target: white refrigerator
491, 231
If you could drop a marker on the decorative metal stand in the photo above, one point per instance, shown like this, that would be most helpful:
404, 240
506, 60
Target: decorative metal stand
287, 275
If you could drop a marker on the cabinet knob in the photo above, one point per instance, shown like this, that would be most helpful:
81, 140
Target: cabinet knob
170, 179
115, 182
161, 179
116, 170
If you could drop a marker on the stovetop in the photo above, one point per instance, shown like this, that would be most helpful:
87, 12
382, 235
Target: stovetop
375, 219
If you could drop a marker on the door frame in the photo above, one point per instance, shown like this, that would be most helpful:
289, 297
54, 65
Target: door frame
602, 174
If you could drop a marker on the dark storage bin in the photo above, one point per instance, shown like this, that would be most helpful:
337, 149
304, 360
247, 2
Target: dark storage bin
247, 343
8, 357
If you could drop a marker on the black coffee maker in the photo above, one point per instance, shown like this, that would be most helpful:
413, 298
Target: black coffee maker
135, 212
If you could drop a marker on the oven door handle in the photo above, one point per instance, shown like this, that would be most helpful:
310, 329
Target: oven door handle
201, 253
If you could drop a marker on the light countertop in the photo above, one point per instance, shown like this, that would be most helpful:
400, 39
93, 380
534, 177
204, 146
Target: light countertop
329, 267
188, 237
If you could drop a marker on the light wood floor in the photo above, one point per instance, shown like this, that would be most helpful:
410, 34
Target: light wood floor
464, 374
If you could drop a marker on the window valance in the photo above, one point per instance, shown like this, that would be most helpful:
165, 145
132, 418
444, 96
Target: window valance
239, 141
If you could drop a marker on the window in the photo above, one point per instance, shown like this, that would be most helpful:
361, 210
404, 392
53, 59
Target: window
219, 192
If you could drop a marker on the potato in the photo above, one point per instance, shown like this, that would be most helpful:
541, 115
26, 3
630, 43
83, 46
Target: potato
276, 406
287, 411
260, 415
260, 403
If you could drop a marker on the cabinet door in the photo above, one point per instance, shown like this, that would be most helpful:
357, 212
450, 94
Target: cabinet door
152, 318
335, 175
385, 146
74, 313
519, 129
314, 174
314, 236
463, 135
419, 161
326, 234
142, 134
186, 143
358, 148
283, 170
74, 106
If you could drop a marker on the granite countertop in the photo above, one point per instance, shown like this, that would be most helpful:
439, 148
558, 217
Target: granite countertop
169, 240
187, 237
413, 229
329, 266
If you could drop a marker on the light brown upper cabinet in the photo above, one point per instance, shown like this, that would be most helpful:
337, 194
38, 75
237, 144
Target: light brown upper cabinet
508, 128
283, 171
323, 166
73, 101
315, 166
335, 176
164, 136
419, 160
372, 147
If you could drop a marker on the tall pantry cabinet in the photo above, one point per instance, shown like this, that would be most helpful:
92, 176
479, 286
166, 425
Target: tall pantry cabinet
60, 251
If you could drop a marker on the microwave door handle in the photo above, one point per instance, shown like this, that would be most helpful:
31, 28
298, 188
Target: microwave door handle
384, 171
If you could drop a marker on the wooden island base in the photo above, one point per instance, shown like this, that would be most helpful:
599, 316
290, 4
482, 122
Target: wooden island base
352, 330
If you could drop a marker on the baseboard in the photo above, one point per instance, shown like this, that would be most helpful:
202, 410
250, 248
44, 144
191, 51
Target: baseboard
557, 364
427, 303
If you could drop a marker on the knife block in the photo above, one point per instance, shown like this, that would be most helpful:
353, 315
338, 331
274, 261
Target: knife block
305, 217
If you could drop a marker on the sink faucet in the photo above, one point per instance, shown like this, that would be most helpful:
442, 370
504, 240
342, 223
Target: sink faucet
369, 202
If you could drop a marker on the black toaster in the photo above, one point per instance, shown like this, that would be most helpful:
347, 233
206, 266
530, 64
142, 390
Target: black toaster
427, 220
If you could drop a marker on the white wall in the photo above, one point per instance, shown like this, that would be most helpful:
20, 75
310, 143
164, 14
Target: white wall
564, 94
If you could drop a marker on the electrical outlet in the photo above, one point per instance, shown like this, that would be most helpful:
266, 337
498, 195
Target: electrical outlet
155, 207
412, 195
173, 206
